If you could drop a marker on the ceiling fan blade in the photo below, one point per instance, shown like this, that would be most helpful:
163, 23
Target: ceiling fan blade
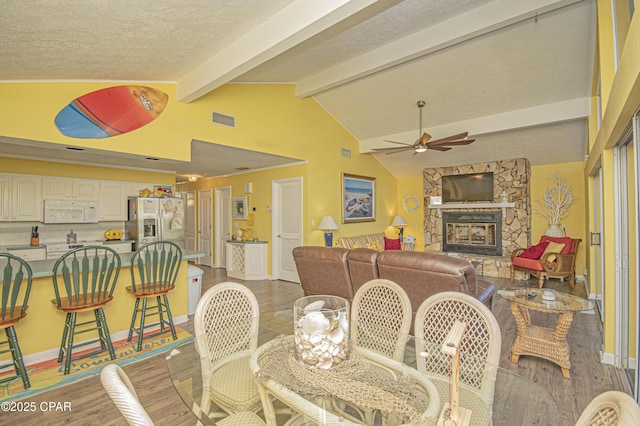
399, 143
455, 143
392, 150
438, 148
450, 138
426, 137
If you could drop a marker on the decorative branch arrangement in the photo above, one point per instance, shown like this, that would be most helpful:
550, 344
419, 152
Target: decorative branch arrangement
556, 200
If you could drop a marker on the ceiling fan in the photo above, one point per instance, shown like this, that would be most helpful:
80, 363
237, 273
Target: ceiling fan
424, 142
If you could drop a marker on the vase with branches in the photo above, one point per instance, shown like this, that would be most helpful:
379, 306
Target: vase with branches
555, 204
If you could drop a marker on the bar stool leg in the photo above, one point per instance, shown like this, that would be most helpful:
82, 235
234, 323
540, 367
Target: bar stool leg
173, 329
133, 319
65, 333
104, 332
160, 316
72, 329
18, 362
101, 337
143, 314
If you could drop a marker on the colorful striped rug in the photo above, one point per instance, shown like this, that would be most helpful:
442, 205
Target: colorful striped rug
48, 375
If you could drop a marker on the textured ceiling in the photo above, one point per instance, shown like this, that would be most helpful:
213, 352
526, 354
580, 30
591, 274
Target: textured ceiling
514, 73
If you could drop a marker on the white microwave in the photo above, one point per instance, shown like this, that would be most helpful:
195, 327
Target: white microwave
60, 211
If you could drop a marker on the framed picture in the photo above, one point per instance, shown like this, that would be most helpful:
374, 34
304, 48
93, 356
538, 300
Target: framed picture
358, 198
239, 207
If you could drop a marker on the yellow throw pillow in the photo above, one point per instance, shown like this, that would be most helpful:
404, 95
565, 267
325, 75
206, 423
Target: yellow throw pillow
375, 246
552, 248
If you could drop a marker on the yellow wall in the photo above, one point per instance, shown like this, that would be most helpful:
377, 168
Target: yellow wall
620, 92
415, 221
49, 168
575, 222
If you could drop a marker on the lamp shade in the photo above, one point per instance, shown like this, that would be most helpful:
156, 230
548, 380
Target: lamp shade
399, 221
328, 224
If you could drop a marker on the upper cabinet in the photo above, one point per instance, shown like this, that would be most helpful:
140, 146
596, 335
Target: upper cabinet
56, 188
113, 201
20, 198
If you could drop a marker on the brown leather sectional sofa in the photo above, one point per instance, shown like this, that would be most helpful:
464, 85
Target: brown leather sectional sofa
340, 271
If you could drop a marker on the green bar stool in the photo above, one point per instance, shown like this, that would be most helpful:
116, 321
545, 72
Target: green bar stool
16, 286
83, 281
154, 270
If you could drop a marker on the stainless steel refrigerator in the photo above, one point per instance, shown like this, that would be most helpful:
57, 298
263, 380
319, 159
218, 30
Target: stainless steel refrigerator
155, 219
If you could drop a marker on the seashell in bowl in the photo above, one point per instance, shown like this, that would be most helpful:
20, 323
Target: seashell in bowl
314, 322
315, 306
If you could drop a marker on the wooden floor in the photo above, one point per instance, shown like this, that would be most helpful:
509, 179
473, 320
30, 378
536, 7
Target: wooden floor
90, 405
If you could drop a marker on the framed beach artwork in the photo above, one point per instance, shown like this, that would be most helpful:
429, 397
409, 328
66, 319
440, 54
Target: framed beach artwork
239, 207
358, 198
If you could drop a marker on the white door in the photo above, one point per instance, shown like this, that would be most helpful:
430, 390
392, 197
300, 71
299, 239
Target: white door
287, 227
597, 271
190, 220
223, 224
204, 226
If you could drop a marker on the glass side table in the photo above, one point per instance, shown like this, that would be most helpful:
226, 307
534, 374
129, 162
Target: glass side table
544, 342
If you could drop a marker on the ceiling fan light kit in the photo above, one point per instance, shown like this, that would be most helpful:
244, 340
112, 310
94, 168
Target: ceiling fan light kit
424, 141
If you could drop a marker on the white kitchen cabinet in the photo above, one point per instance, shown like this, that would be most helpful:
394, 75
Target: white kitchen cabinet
247, 260
29, 253
120, 246
113, 201
5, 197
26, 198
58, 188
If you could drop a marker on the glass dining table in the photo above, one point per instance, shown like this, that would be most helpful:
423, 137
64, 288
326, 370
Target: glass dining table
517, 400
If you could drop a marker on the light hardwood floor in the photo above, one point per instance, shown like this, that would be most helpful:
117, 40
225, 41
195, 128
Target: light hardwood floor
90, 405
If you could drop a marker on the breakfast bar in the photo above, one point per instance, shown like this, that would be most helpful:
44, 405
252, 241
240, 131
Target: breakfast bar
41, 330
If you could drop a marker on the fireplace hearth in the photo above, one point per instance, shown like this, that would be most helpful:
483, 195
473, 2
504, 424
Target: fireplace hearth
473, 232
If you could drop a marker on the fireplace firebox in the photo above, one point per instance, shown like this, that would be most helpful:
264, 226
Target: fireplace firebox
472, 232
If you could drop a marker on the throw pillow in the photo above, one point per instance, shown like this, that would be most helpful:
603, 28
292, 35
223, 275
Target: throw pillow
534, 252
553, 248
392, 244
375, 246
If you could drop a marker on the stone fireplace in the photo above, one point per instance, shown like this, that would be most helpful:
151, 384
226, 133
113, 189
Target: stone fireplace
513, 223
472, 232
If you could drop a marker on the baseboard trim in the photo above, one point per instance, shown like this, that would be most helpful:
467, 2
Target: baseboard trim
50, 354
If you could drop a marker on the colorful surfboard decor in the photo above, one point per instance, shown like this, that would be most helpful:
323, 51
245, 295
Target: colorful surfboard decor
111, 112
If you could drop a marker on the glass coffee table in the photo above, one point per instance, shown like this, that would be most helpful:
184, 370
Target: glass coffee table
543, 342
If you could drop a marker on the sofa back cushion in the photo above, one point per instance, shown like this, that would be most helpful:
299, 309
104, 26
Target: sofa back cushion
323, 270
361, 241
362, 267
423, 274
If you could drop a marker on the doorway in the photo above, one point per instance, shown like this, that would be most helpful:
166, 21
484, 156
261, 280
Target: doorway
204, 226
286, 227
189, 198
223, 224
626, 246
596, 280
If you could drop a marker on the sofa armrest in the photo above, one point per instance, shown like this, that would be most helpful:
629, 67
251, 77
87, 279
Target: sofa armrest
485, 293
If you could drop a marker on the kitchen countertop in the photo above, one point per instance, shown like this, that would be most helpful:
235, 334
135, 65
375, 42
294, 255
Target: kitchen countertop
44, 268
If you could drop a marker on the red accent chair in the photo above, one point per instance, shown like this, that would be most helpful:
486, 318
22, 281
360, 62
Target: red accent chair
547, 264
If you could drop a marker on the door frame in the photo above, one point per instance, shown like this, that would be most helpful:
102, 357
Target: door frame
275, 229
200, 223
218, 247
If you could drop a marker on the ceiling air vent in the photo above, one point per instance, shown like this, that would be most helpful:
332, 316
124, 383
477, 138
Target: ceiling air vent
223, 119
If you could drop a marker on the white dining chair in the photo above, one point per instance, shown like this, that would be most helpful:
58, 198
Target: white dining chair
612, 408
226, 324
480, 345
121, 391
381, 318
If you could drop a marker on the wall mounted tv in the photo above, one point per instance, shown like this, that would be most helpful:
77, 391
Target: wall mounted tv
469, 187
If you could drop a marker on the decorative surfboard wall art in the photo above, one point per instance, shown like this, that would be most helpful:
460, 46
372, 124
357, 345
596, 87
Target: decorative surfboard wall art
111, 111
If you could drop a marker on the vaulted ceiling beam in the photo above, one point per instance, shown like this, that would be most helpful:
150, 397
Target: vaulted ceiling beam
294, 24
482, 20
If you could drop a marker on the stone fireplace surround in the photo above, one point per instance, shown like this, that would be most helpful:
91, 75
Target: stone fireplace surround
510, 177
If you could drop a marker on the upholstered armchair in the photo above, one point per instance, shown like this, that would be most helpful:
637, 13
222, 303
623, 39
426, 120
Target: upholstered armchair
551, 257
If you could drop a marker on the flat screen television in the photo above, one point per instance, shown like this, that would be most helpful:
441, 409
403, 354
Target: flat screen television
469, 187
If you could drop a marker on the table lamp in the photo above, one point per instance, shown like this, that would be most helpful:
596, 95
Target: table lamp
399, 222
328, 224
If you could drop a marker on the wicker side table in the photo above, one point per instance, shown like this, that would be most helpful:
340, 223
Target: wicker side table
543, 342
